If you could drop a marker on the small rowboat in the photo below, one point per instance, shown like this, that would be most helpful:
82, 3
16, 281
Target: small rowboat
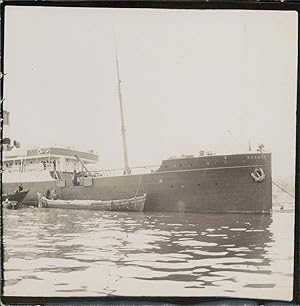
132, 204
13, 200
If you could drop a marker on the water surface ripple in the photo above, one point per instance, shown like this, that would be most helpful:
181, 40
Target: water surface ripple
55, 252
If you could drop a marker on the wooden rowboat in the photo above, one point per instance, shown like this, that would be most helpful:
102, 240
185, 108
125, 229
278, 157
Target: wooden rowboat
132, 204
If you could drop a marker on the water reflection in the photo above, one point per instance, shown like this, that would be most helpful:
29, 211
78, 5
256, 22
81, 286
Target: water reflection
102, 253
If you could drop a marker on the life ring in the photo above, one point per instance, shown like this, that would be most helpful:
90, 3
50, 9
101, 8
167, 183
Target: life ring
258, 175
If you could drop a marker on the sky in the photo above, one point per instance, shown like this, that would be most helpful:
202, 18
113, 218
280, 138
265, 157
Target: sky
191, 80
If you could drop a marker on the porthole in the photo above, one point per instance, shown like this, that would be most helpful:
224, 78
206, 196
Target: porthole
198, 185
166, 166
180, 165
172, 186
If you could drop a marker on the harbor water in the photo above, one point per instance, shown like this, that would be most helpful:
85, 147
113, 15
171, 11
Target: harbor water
56, 252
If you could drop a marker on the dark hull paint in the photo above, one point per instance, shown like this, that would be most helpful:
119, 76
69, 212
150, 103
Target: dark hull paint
204, 184
15, 196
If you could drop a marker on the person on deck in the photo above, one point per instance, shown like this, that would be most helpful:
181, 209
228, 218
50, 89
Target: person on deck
54, 165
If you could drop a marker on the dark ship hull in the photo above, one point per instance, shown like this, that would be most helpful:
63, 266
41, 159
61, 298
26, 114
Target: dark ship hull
240, 183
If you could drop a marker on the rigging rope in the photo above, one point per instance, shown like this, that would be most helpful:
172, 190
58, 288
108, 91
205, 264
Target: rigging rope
283, 190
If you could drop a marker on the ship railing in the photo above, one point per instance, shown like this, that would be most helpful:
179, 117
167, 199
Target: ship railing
119, 171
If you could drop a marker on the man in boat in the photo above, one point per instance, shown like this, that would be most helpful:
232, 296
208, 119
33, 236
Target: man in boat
20, 188
54, 194
48, 194
75, 178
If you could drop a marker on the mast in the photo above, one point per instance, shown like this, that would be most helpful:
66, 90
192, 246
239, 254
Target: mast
123, 129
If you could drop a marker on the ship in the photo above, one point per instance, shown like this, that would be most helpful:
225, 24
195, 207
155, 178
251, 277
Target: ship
236, 183
232, 183
208, 183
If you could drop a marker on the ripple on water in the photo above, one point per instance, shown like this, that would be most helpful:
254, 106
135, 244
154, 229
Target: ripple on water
73, 253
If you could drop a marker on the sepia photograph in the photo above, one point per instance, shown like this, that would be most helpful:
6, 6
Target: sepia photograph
148, 152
